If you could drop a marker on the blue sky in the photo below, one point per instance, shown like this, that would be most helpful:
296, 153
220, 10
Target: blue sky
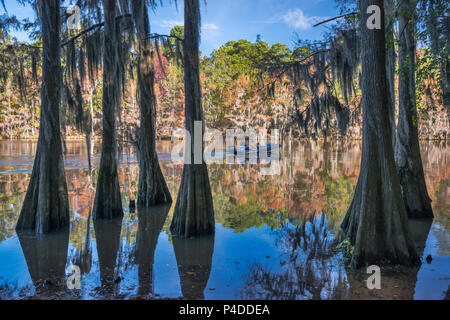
224, 20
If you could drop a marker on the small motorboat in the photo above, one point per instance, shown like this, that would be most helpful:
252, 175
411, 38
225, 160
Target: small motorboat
267, 148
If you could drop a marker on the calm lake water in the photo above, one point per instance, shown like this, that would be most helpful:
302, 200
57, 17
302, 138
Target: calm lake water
275, 235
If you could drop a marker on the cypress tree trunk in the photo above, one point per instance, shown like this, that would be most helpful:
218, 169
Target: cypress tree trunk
46, 204
407, 153
194, 212
376, 222
152, 188
108, 203
390, 62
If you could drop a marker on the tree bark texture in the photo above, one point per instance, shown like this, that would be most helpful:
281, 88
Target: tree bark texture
390, 61
194, 212
407, 153
46, 204
108, 203
376, 222
152, 189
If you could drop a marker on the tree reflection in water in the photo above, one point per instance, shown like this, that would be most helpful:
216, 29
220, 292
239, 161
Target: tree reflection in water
107, 234
315, 178
46, 257
150, 225
194, 259
311, 269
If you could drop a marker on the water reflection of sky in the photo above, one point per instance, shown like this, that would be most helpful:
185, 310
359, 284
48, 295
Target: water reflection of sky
261, 250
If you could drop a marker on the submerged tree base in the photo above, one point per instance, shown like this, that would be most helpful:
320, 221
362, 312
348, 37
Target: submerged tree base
46, 205
376, 222
194, 211
108, 203
153, 190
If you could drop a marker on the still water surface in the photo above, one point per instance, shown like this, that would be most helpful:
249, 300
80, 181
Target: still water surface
275, 238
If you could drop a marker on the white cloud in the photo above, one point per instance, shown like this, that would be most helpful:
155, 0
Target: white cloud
210, 26
171, 23
296, 18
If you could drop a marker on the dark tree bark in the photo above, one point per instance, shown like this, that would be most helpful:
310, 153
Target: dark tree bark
376, 222
194, 259
194, 212
390, 62
395, 283
151, 223
89, 133
108, 203
407, 153
46, 204
152, 189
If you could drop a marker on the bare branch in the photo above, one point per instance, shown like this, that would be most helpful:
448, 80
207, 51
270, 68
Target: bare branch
98, 25
338, 17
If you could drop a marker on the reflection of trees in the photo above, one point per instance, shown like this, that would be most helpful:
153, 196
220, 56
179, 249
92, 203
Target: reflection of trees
46, 260
83, 257
436, 161
151, 222
194, 259
107, 234
309, 270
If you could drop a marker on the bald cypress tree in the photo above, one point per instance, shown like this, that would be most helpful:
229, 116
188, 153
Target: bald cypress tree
152, 188
407, 153
194, 212
46, 204
108, 203
376, 222
390, 61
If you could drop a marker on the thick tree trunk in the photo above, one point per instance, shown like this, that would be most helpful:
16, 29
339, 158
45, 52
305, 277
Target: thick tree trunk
46, 204
108, 203
152, 188
407, 153
390, 62
376, 222
194, 211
